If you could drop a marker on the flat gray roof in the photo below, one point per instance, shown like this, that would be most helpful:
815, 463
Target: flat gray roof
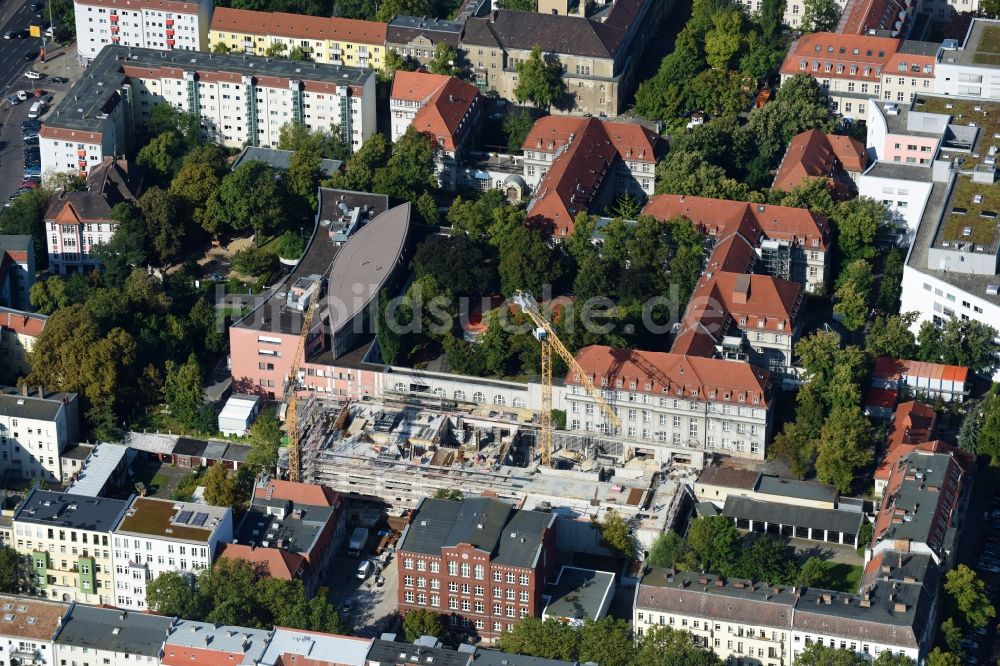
95, 93
973, 52
239, 640
846, 522
579, 594
915, 172
13, 403
45, 507
774, 485
114, 630
279, 159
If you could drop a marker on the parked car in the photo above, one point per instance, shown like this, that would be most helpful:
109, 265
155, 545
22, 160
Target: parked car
14, 101
29, 183
58, 79
31, 140
35, 6
21, 95
32, 74
46, 99
9, 34
30, 55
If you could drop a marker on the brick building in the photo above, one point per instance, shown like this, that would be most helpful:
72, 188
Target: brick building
480, 561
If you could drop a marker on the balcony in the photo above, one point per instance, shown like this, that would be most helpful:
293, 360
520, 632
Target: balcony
114, 30
170, 23
113, 18
170, 32
81, 153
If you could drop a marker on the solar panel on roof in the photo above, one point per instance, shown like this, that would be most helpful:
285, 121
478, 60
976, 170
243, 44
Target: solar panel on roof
199, 519
184, 517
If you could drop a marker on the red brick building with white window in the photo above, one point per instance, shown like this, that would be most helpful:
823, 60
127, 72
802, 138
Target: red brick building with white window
480, 562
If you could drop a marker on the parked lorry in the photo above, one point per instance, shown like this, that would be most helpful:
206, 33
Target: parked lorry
358, 541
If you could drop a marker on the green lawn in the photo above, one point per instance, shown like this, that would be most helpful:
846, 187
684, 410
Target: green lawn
845, 577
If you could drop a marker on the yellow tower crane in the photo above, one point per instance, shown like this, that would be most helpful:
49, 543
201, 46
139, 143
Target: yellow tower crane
292, 397
547, 337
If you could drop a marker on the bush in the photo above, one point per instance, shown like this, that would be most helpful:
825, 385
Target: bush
255, 262
290, 245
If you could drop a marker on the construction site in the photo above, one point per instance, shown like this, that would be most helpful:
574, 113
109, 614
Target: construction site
395, 453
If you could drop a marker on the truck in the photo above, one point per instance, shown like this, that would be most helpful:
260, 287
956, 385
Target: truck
356, 545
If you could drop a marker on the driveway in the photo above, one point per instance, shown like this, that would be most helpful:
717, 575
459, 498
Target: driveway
367, 610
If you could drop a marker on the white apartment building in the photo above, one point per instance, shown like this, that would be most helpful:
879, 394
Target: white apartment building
241, 100
91, 636
67, 539
969, 70
34, 431
669, 403
26, 629
165, 25
155, 536
770, 625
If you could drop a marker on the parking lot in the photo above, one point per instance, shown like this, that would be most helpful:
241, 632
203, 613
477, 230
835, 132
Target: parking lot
368, 609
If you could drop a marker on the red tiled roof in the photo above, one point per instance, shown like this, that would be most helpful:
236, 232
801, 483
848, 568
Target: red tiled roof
751, 300
813, 154
912, 425
300, 493
301, 26
867, 54
882, 398
588, 148
861, 16
719, 217
693, 377
280, 563
22, 323
896, 368
448, 104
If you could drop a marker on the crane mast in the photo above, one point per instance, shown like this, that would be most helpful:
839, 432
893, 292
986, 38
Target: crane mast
291, 395
546, 335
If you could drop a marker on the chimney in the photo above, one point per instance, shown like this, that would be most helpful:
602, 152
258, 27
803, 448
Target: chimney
493, 15
41, 392
741, 289
24, 390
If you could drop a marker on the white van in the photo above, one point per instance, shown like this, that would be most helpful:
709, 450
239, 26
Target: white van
35, 110
364, 569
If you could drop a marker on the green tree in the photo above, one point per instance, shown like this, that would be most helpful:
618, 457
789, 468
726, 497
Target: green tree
851, 306
173, 594
301, 180
516, 125
264, 439
290, 245
410, 170
254, 262
689, 173
421, 622
989, 430
765, 559
539, 80
616, 533
527, 262
10, 570
193, 186
771, 19
968, 592
445, 60
453, 494
964, 342
968, 434
26, 216
183, 390
129, 246
845, 447
667, 550
712, 544
820, 15
390, 342
162, 154
607, 642
857, 221
394, 62
460, 264
891, 335
725, 40
220, 486
816, 654
359, 172
890, 287
549, 639
249, 199
814, 573
938, 657
663, 646
164, 227
329, 145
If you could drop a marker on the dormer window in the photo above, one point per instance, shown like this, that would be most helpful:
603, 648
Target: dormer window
604, 381
711, 394
854, 70
743, 397
576, 378
618, 384
633, 385
756, 400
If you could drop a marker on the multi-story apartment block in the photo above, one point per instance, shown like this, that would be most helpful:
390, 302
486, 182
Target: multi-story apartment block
673, 400
19, 331
294, 529
67, 538
77, 222
202, 643
579, 164
791, 243
27, 628
155, 536
240, 100
34, 431
445, 108
92, 636
149, 24
970, 70
415, 37
855, 69
745, 621
335, 41
596, 55
480, 561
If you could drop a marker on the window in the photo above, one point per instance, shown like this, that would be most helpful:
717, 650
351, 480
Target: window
466, 569
453, 568
480, 573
